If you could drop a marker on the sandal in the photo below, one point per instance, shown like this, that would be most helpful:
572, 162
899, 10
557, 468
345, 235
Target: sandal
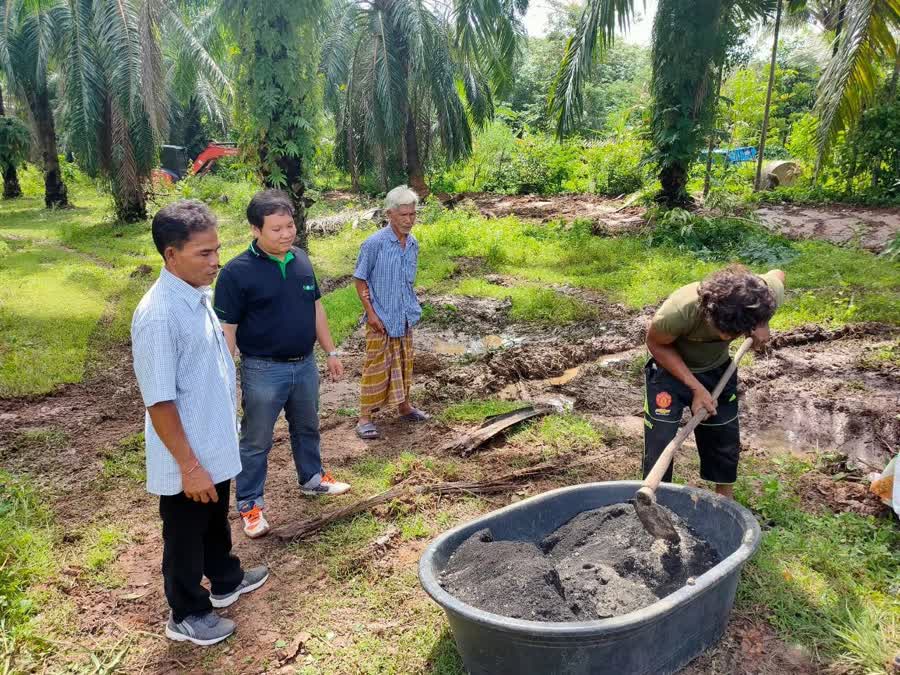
367, 431
415, 416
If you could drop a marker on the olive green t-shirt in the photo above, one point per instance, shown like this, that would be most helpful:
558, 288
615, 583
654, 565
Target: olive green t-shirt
697, 341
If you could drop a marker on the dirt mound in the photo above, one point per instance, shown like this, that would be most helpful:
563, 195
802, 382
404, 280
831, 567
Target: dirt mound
868, 228
812, 332
608, 214
602, 563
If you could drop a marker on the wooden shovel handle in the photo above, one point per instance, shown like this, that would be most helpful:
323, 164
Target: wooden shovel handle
651, 482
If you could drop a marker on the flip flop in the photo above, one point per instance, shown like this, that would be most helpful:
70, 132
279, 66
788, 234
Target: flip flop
415, 416
367, 431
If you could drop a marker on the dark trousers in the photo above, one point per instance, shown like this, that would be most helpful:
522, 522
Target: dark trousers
718, 437
197, 543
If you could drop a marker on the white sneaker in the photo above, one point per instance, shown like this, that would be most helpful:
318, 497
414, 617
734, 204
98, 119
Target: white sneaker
327, 486
255, 524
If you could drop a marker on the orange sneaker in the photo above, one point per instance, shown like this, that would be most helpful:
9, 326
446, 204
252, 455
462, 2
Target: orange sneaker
327, 486
255, 524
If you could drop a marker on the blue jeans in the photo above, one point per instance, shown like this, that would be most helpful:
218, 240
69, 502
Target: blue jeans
268, 387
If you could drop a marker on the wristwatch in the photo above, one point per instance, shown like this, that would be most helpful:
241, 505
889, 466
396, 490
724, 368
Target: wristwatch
332, 354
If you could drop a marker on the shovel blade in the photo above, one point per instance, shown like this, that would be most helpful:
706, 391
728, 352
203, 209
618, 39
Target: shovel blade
655, 520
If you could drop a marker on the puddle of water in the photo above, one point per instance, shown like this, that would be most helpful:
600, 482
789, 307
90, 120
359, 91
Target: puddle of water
449, 348
568, 375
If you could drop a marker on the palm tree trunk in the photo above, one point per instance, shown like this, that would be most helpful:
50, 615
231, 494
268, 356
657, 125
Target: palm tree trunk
415, 173
712, 133
765, 123
11, 187
55, 192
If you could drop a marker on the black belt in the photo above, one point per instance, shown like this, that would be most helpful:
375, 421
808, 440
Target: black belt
280, 359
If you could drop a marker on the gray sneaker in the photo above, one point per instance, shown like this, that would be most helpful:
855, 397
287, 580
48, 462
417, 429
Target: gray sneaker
201, 629
252, 580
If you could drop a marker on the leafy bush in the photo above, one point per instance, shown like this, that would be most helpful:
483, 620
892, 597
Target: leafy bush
612, 168
720, 239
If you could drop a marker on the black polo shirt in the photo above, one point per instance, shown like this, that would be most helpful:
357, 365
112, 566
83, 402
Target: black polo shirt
272, 302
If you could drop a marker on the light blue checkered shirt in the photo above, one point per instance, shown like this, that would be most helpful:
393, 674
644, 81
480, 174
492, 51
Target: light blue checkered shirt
390, 271
180, 355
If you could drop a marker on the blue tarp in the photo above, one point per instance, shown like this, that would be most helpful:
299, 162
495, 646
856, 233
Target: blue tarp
746, 153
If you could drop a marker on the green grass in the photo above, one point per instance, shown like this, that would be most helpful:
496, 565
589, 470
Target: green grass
126, 460
50, 303
26, 551
344, 309
478, 411
530, 303
562, 433
103, 547
828, 581
882, 356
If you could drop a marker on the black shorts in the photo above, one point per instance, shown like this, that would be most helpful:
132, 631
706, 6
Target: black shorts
718, 437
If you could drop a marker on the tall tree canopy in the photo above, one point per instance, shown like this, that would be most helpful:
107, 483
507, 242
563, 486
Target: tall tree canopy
397, 73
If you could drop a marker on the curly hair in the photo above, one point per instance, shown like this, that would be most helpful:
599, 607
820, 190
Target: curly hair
735, 300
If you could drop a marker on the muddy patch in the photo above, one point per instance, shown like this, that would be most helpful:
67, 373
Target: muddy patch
815, 399
869, 228
600, 564
609, 216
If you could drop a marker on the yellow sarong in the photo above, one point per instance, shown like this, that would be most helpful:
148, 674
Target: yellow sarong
387, 371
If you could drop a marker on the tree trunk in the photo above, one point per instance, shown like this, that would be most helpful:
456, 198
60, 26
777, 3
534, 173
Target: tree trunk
414, 171
765, 123
673, 180
712, 134
55, 192
292, 170
11, 187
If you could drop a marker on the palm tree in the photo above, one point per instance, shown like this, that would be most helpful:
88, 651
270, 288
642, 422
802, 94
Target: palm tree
687, 48
849, 83
28, 41
397, 73
116, 95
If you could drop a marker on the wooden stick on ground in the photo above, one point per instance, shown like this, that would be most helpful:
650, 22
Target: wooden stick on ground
469, 443
499, 484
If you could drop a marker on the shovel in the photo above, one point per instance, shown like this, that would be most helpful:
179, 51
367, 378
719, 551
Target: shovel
654, 519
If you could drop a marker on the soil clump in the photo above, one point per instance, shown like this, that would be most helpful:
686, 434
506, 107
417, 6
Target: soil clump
600, 564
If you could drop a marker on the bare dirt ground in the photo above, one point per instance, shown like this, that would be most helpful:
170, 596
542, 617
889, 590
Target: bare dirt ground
868, 228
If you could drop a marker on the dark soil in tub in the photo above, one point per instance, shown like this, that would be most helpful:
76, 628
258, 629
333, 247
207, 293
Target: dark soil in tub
600, 564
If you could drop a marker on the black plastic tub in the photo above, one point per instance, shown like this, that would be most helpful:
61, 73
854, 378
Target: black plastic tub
658, 639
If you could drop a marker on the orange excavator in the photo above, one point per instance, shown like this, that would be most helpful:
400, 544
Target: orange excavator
175, 165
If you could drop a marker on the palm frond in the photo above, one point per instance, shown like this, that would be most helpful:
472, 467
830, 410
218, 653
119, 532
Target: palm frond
491, 33
593, 36
849, 81
84, 89
154, 97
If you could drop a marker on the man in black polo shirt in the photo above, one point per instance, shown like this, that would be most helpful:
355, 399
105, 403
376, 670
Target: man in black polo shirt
268, 302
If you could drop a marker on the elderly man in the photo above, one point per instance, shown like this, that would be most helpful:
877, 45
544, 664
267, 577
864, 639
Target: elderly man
384, 277
187, 381
688, 338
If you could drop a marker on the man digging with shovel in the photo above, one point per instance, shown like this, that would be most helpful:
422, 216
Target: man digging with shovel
688, 339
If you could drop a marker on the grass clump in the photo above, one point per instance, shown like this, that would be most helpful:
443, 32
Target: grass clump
828, 581
104, 546
476, 411
126, 460
530, 303
26, 550
562, 433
